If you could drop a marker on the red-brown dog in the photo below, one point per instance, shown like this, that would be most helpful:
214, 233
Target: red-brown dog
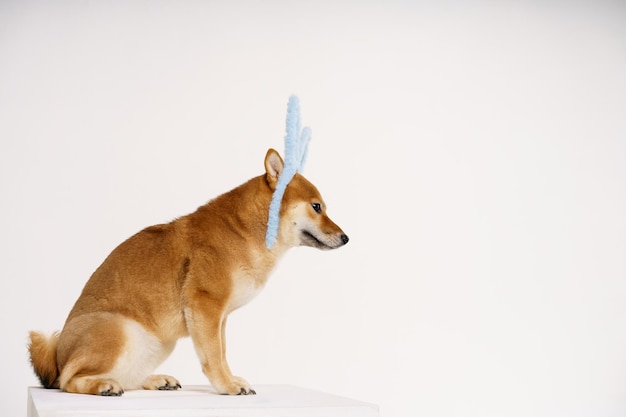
180, 279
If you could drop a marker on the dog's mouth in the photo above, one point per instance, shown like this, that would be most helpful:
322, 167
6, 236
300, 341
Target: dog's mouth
309, 239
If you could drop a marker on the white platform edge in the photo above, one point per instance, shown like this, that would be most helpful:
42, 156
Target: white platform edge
198, 401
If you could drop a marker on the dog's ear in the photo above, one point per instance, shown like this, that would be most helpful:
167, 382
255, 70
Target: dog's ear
273, 167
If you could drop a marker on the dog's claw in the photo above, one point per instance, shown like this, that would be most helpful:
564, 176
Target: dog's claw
109, 393
168, 387
247, 392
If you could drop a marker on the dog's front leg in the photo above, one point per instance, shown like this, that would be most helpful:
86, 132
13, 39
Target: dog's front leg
206, 324
237, 379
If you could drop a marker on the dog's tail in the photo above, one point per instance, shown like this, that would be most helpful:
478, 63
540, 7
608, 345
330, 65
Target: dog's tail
43, 357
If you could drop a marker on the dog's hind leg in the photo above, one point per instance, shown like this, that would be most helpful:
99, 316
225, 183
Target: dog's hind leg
107, 353
87, 350
94, 385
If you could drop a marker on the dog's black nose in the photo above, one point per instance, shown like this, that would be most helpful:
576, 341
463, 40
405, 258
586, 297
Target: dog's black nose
345, 239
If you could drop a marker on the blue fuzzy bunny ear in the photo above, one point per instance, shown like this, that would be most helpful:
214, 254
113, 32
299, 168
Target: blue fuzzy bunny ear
305, 138
296, 138
296, 149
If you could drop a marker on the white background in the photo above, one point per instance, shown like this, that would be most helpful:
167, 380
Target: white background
473, 151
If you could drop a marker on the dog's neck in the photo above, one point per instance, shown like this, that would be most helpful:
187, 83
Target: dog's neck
243, 210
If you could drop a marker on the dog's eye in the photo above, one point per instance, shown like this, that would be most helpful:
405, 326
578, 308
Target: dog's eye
317, 207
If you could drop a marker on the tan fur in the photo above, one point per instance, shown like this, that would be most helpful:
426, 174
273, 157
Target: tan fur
179, 279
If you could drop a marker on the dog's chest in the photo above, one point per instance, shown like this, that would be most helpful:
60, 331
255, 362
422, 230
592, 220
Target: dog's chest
246, 285
248, 280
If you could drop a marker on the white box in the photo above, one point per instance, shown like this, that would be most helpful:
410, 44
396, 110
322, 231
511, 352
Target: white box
198, 401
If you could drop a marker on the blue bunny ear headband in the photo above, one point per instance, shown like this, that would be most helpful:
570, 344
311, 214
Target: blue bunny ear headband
296, 147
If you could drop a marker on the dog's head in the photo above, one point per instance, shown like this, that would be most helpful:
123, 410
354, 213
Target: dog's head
303, 218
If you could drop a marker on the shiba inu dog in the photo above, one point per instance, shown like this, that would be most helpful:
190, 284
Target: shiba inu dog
180, 279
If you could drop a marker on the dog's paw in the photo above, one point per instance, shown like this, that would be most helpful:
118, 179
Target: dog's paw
110, 388
161, 382
245, 387
236, 386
